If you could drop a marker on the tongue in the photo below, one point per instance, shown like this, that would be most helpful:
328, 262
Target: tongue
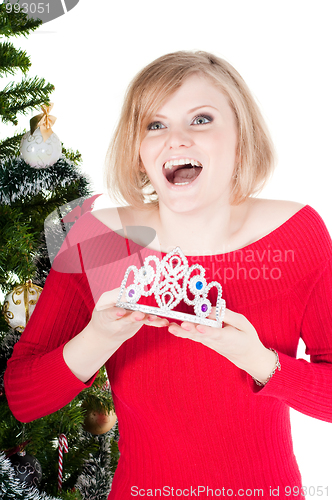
186, 174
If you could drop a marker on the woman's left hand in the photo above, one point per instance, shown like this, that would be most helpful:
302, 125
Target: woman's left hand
238, 341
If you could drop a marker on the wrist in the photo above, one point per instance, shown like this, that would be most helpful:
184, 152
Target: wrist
260, 364
96, 335
88, 351
261, 381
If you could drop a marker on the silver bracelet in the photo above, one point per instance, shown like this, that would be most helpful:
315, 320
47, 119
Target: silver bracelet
277, 367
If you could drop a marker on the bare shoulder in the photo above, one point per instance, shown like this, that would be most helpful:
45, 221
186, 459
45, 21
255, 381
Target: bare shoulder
264, 215
109, 217
124, 221
117, 217
276, 210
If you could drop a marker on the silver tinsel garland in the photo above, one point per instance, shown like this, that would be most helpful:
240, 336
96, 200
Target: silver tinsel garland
96, 479
12, 489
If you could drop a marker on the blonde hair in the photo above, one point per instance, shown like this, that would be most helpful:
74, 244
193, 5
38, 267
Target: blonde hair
151, 87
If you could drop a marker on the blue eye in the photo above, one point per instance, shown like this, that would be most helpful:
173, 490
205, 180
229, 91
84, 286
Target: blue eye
155, 126
202, 119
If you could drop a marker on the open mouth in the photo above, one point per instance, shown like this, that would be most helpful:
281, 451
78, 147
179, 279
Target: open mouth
182, 172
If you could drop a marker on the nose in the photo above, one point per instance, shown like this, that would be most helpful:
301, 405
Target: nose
177, 138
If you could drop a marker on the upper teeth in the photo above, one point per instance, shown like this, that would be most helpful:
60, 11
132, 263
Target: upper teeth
182, 161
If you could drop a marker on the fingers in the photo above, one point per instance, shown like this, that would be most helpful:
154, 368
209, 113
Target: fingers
152, 320
108, 299
139, 316
107, 302
195, 332
127, 316
236, 320
231, 318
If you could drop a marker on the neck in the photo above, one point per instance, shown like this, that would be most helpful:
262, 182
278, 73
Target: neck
206, 232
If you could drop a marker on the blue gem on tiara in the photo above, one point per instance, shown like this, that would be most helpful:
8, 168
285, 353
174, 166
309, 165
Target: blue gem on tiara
168, 280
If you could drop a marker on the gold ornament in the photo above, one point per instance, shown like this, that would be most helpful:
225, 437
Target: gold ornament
97, 422
20, 303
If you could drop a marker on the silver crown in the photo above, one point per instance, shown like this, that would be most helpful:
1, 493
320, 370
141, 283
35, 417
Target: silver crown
169, 282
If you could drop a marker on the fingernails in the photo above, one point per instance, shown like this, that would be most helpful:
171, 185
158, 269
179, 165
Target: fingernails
172, 329
121, 313
200, 328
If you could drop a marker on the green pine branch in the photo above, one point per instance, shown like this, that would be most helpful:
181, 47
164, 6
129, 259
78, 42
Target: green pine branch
27, 196
12, 59
10, 146
22, 97
18, 241
14, 22
71, 155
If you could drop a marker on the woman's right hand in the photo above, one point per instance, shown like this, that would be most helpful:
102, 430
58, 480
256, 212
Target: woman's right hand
118, 323
109, 327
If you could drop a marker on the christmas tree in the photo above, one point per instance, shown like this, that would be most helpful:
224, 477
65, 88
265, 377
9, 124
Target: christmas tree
70, 440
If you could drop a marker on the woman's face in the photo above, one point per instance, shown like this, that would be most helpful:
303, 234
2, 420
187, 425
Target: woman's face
189, 149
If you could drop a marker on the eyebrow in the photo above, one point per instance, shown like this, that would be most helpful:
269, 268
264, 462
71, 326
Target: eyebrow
191, 110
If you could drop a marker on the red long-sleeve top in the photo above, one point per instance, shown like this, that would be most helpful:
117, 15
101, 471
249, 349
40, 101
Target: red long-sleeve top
191, 423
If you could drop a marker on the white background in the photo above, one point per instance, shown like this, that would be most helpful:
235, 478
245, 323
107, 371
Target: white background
282, 49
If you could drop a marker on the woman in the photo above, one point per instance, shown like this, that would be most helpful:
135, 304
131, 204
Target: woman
202, 411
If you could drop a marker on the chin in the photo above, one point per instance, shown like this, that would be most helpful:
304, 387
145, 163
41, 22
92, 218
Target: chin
182, 206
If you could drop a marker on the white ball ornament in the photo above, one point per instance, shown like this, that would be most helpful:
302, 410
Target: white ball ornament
41, 147
39, 153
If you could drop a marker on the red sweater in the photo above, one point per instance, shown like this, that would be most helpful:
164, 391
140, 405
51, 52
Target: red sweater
188, 418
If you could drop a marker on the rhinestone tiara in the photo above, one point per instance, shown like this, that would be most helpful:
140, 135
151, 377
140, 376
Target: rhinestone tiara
169, 280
